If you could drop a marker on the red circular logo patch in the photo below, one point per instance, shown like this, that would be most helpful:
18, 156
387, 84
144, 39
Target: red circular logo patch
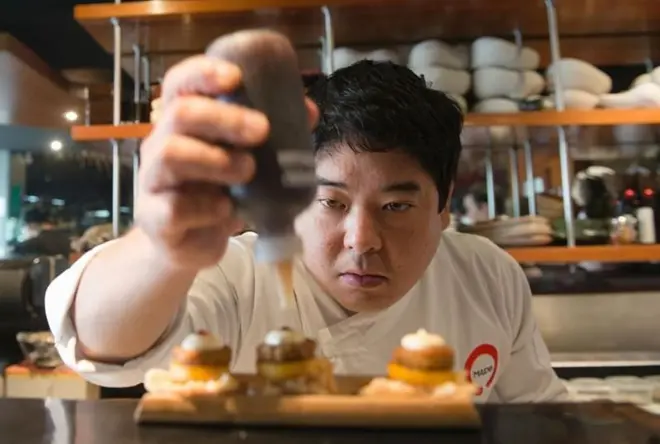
481, 366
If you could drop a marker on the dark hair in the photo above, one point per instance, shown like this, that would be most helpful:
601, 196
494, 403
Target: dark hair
381, 106
479, 192
36, 216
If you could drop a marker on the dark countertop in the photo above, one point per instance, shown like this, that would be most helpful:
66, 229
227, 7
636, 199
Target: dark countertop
623, 278
111, 422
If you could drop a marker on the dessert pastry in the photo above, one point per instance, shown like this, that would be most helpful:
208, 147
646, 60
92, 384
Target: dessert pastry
200, 357
287, 362
200, 365
422, 359
422, 365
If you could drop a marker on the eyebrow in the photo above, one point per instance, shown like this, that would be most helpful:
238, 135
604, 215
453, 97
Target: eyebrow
405, 187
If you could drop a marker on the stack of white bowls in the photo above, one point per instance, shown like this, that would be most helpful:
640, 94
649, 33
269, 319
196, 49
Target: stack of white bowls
522, 231
343, 57
501, 71
582, 83
503, 75
444, 67
644, 92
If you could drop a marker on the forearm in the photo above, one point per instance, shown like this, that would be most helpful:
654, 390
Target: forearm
126, 299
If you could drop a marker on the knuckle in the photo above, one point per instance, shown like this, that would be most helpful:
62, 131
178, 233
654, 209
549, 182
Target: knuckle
207, 72
172, 210
180, 110
171, 79
172, 74
167, 157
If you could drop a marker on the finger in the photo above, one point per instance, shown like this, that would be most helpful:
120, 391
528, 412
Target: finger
312, 112
191, 208
183, 159
156, 106
214, 120
200, 75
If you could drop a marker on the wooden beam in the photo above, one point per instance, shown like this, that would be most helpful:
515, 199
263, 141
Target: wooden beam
28, 57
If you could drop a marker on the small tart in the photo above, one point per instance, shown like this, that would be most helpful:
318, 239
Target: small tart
424, 351
314, 376
197, 372
285, 345
218, 357
436, 358
420, 377
202, 348
200, 357
279, 371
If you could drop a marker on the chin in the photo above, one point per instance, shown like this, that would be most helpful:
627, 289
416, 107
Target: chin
365, 302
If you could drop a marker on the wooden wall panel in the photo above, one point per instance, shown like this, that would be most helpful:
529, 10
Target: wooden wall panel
30, 93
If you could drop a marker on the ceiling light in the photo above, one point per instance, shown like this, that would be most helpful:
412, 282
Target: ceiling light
56, 145
71, 116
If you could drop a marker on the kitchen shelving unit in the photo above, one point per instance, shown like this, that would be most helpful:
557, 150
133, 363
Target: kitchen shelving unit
176, 28
604, 117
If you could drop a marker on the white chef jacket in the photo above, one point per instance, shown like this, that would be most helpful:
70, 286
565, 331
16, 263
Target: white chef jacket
473, 294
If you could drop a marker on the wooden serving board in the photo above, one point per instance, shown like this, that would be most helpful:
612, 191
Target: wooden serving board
307, 411
342, 410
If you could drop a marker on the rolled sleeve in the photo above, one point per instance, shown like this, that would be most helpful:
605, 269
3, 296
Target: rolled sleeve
207, 306
59, 298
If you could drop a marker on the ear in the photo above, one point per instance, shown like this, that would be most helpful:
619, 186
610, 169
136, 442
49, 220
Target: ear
445, 214
447, 208
449, 197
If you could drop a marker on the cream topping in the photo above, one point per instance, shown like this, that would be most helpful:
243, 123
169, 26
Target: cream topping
421, 340
201, 341
282, 336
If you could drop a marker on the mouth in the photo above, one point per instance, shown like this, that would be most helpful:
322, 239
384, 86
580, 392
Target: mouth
362, 280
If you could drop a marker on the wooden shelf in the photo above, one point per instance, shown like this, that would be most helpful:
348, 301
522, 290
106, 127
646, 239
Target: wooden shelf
530, 119
90, 133
173, 29
150, 10
596, 253
598, 117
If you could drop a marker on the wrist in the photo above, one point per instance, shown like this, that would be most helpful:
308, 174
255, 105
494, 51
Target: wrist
160, 260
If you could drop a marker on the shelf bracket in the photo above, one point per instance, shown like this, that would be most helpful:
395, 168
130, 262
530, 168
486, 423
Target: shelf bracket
529, 175
327, 42
137, 103
116, 120
513, 150
515, 180
648, 64
564, 154
137, 81
490, 179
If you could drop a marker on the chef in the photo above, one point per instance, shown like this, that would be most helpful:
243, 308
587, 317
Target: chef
376, 262
475, 203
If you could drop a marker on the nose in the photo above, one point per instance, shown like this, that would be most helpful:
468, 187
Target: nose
361, 232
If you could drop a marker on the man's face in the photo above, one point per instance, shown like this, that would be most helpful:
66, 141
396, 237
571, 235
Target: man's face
373, 228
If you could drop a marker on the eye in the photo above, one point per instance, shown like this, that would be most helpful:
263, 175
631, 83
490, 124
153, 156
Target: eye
332, 204
397, 207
